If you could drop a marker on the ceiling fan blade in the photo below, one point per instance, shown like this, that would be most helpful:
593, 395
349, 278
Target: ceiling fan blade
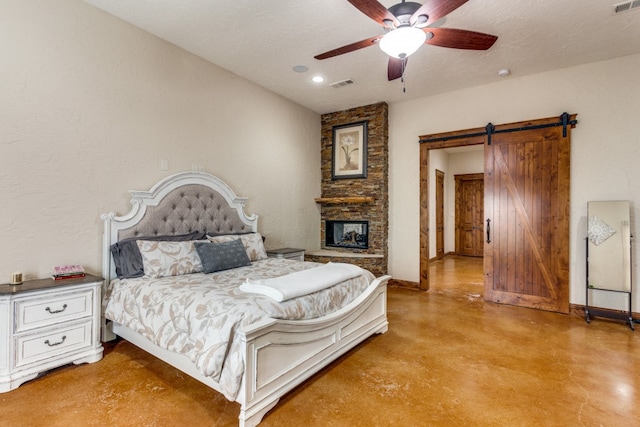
375, 11
396, 68
349, 48
459, 39
435, 9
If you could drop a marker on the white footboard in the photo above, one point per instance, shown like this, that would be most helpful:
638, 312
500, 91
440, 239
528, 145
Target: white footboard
281, 354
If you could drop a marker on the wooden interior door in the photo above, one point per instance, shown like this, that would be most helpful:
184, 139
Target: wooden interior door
469, 214
527, 216
439, 214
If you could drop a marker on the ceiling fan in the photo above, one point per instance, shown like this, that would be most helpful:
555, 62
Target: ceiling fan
407, 26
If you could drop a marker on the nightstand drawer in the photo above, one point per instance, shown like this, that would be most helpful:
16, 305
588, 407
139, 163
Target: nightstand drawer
37, 312
35, 347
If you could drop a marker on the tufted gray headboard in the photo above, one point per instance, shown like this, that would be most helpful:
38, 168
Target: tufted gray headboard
192, 207
178, 204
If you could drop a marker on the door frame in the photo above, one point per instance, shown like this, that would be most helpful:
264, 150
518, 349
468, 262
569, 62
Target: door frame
425, 148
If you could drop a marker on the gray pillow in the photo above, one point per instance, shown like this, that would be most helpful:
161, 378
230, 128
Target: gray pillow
127, 258
222, 256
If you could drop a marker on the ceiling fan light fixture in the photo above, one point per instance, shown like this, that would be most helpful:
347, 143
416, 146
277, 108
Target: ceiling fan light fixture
402, 42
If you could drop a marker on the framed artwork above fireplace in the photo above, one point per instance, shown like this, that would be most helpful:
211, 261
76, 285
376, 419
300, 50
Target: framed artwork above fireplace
349, 154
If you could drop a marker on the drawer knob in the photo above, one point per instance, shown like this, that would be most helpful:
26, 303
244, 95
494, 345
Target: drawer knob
64, 307
50, 344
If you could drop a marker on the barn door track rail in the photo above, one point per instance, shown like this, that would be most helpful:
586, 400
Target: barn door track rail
564, 121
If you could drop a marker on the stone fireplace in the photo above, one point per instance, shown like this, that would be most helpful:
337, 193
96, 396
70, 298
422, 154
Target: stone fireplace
355, 202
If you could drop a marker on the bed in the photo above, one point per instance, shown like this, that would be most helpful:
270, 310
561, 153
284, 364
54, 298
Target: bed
169, 310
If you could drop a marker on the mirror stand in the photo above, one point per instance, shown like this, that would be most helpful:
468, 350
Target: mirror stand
595, 312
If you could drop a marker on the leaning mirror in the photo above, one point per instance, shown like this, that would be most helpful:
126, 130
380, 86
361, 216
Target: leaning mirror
609, 249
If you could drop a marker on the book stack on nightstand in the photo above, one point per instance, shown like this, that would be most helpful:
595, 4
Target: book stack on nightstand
62, 272
288, 253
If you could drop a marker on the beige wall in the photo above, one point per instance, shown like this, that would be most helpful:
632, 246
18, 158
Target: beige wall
89, 105
605, 146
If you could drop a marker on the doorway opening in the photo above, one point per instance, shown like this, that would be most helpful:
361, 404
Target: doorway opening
455, 218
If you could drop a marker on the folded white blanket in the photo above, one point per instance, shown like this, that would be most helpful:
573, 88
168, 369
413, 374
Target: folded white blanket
302, 282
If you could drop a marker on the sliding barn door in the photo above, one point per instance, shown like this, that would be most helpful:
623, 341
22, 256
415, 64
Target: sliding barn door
527, 216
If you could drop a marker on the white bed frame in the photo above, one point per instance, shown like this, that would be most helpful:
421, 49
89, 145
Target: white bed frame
279, 354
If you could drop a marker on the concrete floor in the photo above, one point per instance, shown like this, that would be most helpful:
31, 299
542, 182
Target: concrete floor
448, 359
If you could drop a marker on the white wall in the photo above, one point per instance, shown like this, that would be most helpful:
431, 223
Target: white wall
605, 154
89, 105
438, 160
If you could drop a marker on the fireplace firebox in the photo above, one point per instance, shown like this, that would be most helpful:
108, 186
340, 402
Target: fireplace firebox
347, 234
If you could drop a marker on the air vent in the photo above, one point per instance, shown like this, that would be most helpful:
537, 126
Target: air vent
626, 6
347, 82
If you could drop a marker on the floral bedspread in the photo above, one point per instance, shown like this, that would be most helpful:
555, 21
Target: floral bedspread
197, 314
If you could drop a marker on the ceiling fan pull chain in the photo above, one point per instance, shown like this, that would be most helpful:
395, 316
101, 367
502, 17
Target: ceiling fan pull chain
404, 87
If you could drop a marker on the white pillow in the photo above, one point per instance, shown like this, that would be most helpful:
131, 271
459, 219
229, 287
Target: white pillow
252, 243
165, 258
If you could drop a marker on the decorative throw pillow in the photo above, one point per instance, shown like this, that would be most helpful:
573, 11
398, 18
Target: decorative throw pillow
254, 245
127, 258
222, 256
252, 242
163, 258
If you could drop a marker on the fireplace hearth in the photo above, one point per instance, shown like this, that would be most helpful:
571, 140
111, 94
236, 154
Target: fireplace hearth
347, 234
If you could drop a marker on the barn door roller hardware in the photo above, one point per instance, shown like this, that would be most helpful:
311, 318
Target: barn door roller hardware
490, 130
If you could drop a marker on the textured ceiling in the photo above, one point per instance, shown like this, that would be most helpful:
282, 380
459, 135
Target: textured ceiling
263, 40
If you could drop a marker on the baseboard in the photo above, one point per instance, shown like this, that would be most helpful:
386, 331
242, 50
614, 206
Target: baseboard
404, 284
443, 256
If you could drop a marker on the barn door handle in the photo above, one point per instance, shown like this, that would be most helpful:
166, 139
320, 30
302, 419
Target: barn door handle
488, 230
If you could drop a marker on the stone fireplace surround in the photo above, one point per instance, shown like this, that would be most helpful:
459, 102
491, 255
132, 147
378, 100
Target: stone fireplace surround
362, 199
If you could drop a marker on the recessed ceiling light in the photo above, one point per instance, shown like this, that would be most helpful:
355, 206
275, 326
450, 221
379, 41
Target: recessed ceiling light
318, 79
300, 68
504, 72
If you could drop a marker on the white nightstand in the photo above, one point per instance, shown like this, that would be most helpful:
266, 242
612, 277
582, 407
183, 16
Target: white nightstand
288, 253
49, 323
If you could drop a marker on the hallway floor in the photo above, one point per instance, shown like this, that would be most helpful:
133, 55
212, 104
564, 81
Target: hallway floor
448, 359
